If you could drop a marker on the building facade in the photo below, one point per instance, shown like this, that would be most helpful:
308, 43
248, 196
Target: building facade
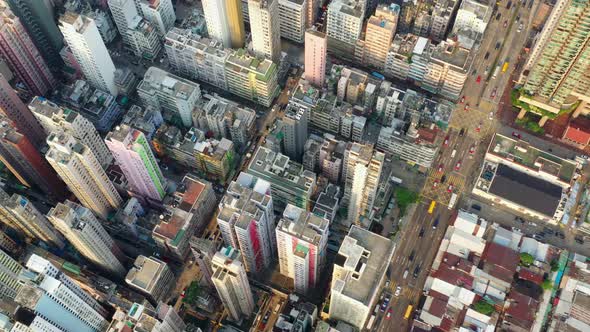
293, 19
265, 28
316, 48
225, 22
252, 79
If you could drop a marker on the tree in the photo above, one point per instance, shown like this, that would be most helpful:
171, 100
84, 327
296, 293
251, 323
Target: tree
547, 284
404, 198
191, 293
526, 259
377, 228
483, 307
554, 265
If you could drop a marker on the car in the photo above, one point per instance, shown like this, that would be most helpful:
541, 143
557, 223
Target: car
560, 235
440, 168
398, 291
405, 274
384, 305
498, 16
266, 317
387, 284
486, 56
509, 5
412, 254
476, 207
435, 184
498, 44
519, 219
517, 135
443, 178
517, 230
579, 239
435, 223
478, 128
183, 292
505, 23
388, 316
472, 149
462, 132
450, 188
421, 234
538, 237
478, 80
462, 100
416, 271
466, 108
491, 115
493, 95
446, 142
520, 27
458, 166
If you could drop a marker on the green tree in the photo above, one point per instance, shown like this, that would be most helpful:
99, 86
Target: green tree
526, 259
547, 284
554, 265
404, 197
484, 307
191, 293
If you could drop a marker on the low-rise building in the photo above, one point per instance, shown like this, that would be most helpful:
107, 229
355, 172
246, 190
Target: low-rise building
96, 105
145, 318
521, 177
145, 119
215, 159
328, 202
416, 146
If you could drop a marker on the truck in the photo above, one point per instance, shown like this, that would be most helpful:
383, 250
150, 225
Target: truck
452, 201
395, 179
370, 323
496, 72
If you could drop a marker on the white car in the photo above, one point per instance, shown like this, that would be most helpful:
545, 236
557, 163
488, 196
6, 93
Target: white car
491, 115
517, 230
398, 291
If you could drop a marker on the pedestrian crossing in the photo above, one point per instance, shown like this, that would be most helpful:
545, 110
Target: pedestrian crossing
440, 193
408, 292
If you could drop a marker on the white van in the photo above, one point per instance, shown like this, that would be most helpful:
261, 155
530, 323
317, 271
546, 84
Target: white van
405, 273
453, 153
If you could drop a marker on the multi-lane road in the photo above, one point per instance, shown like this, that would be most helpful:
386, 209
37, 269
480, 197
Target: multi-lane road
458, 161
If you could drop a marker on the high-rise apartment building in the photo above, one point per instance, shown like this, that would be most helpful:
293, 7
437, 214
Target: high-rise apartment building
265, 27
345, 21
21, 54
9, 272
56, 119
19, 213
133, 154
381, 28
359, 273
14, 109
34, 16
361, 173
138, 317
225, 22
45, 268
203, 251
160, 13
295, 130
301, 243
81, 34
80, 170
138, 34
293, 19
195, 57
252, 78
152, 277
81, 228
173, 95
231, 282
25, 162
559, 63
59, 301
290, 182
246, 221
316, 47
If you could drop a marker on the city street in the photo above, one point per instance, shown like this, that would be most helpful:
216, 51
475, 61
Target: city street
457, 164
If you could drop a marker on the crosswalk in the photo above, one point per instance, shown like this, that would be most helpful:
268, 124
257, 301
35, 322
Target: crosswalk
440, 193
408, 292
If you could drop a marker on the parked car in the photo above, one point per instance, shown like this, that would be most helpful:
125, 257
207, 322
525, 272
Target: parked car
421, 234
517, 135
398, 291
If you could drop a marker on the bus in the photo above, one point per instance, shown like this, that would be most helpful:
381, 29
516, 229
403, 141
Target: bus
432, 206
452, 201
370, 323
408, 311
505, 67
496, 72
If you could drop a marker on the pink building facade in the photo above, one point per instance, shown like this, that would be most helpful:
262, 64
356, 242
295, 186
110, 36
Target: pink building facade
316, 46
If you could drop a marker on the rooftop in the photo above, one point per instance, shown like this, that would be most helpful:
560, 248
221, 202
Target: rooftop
190, 191
361, 255
156, 79
278, 168
172, 225
452, 54
145, 272
525, 190
242, 62
499, 261
522, 153
303, 225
